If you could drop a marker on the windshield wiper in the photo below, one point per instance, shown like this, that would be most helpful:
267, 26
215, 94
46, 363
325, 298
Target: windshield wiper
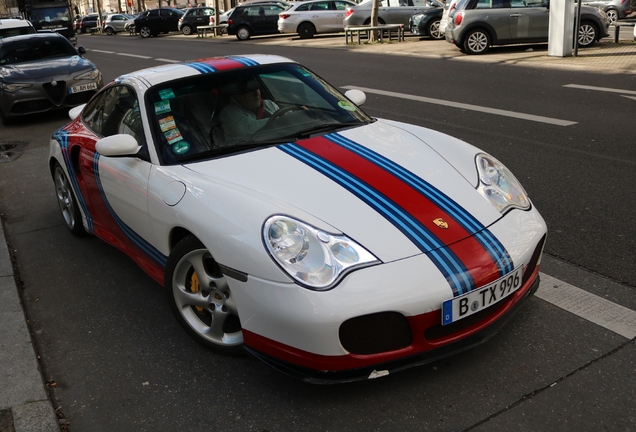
325, 127
222, 151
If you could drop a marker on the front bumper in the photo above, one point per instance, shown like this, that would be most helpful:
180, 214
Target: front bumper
385, 317
37, 99
497, 319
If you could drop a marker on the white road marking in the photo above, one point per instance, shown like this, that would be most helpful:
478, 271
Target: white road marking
629, 97
103, 52
603, 89
598, 310
477, 108
168, 60
134, 55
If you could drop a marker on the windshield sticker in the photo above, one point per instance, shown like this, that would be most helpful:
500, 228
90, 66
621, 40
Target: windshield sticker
162, 107
181, 147
348, 106
167, 123
173, 135
166, 94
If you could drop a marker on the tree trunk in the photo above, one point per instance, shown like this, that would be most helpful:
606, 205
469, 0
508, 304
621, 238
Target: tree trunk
373, 35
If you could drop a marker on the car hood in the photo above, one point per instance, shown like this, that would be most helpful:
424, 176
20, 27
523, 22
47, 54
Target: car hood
372, 193
39, 69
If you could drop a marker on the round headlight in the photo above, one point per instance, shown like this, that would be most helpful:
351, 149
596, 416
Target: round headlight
312, 257
499, 186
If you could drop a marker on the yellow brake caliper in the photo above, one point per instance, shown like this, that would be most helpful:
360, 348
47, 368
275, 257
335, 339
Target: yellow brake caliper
194, 287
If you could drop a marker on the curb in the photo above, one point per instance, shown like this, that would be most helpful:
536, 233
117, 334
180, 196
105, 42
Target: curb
24, 403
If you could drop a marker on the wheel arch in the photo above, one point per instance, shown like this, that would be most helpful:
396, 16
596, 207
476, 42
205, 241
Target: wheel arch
480, 26
306, 22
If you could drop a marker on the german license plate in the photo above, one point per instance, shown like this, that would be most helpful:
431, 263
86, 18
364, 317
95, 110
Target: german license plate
82, 87
479, 299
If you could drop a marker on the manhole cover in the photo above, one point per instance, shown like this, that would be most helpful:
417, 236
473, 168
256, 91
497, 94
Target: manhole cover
10, 150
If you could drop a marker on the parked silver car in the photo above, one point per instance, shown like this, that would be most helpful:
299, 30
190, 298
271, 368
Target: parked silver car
475, 25
615, 9
115, 23
310, 17
389, 12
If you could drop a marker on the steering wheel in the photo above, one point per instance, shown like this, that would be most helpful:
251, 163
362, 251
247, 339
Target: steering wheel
281, 112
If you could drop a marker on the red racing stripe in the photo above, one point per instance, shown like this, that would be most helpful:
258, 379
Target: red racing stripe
476, 259
221, 63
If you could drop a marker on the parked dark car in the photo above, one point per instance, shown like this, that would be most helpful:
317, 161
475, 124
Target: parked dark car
87, 23
253, 20
155, 21
42, 72
193, 18
426, 23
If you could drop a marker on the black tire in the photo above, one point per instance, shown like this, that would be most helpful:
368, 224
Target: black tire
380, 21
477, 42
306, 30
433, 30
110, 31
587, 34
79, 31
145, 32
243, 33
200, 298
186, 30
66, 200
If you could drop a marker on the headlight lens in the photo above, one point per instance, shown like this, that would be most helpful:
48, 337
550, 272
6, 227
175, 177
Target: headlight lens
10, 88
499, 186
417, 18
90, 75
310, 256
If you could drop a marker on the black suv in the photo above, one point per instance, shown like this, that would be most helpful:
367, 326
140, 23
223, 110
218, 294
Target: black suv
195, 17
253, 20
155, 21
87, 23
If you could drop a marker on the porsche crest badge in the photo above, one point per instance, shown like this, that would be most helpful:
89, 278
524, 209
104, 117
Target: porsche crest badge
441, 223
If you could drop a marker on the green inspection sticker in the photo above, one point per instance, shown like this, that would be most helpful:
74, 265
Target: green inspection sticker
346, 106
162, 107
181, 147
166, 94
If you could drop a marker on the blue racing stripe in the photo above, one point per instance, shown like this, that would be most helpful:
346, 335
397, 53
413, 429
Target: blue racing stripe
245, 61
487, 240
62, 138
446, 261
201, 67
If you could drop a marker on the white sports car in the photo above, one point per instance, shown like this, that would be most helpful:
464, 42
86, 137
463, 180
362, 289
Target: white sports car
331, 245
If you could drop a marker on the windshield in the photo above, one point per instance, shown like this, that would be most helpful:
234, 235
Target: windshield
222, 113
50, 17
34, 49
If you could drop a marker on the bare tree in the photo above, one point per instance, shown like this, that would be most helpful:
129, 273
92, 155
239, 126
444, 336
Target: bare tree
373, 35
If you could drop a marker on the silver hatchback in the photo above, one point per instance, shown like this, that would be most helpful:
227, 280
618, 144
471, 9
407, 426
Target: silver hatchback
475, 25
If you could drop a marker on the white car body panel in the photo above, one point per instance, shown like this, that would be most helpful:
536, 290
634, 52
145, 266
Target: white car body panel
225, 200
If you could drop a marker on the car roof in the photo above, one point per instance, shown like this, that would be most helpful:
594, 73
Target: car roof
14, 23
51, 35
169, 72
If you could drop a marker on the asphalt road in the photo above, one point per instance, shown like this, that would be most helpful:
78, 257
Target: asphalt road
119, 361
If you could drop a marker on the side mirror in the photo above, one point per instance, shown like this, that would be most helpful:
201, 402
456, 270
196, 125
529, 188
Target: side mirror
356, 96
117, 145
74, 112
81, 50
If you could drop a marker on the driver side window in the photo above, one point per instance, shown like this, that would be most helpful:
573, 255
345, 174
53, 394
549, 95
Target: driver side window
116, 111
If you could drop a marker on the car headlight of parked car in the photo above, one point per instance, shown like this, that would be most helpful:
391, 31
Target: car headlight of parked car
417, 18
312, 257
499, 186
90, 75
14, 87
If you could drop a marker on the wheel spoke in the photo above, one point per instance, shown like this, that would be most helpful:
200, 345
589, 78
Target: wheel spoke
185, 299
